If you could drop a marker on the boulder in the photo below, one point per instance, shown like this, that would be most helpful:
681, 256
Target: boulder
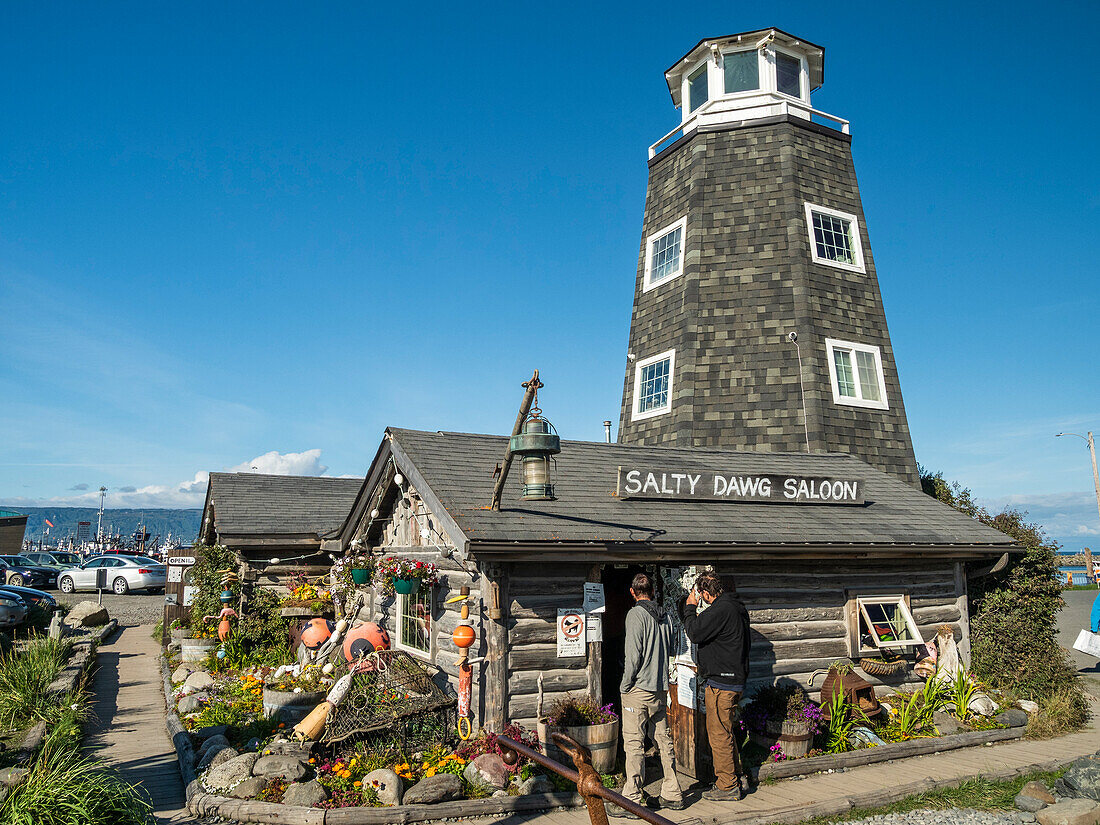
307, 794
535, 784
1011, 718
199, 680
1029, 803
1028, 706
387, 784
946, 724
982, 705
443, 787
1070, 812
488, 771
283, 747
212, 744
248, 788
230, 773
1083, 778
210, 730
182, 672
1039, 791
11, 777
87, 614
278, 766
215, 757
188, 704
34, 738
498, 794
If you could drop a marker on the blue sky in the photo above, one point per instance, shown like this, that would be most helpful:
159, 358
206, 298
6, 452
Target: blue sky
237, 235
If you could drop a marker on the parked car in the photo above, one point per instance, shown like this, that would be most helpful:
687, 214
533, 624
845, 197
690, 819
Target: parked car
19, 570
58, 560
124, 573
30, 596
12, 610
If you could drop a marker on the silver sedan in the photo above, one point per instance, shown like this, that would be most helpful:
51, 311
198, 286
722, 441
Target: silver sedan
124, 573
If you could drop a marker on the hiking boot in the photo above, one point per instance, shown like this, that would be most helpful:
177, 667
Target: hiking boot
616, 812
716, 794
672, 804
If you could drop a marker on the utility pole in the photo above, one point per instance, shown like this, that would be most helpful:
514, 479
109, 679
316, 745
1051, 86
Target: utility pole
99, 525
1092, 453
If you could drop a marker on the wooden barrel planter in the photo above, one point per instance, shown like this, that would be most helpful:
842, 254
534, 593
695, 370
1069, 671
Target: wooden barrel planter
306, 612
601, 740
196, 650
290, 707
793, 737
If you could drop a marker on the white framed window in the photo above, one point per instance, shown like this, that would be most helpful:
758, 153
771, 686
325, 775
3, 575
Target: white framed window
834, 238
886, 623
856, 374
741, 71
788, 74
414, 621
653, 385
664, 254
698, 87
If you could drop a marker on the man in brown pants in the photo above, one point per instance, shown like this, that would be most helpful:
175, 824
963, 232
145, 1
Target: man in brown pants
722, 634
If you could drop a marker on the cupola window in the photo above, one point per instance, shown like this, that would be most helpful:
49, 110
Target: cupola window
653, 385
856, 372
741, 71
697, 88
788, 74
834, 238
664, 258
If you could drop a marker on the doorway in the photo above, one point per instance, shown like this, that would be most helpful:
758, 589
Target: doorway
616, 586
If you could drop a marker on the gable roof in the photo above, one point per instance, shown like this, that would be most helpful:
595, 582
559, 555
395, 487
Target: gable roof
458, 470
253, 504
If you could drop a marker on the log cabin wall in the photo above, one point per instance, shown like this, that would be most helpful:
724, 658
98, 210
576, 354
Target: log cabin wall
797, 609
535, 592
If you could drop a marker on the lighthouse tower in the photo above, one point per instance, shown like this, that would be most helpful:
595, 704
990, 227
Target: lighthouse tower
758, 323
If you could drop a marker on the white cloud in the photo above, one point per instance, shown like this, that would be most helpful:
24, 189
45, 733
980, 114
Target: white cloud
189, 493
1061, 515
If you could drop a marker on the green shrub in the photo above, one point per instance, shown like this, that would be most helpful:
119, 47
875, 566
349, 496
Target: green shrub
25, 676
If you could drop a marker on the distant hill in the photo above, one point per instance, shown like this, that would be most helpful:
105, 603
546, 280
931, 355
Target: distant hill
182, 524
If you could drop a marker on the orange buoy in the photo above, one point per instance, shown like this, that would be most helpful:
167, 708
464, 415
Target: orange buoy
316, 632
365, 638
463, 636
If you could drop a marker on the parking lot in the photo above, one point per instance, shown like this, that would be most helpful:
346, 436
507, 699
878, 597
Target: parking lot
132, 609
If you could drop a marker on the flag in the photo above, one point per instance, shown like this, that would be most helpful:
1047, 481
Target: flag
48, 522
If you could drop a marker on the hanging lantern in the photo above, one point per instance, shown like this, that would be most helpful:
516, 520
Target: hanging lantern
536, 443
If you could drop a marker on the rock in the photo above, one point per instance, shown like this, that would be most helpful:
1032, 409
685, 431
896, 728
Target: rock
488, 771
87, 614
283, 747
1028, 706
1070, 812
442, 787
211, 744
982, 704
252, 744
210, 730
230, 773
11, 777
182, 672
248, 788
946, 724
535, 784
215, 757
1011, 718
1083, 778
199, 680
188, 704
1029, 803
1023, 816
497, 794
34, 738
307, 794
387, 784
278, 766
1039, 791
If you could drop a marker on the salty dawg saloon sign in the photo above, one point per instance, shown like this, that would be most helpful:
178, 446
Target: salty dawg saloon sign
706, 485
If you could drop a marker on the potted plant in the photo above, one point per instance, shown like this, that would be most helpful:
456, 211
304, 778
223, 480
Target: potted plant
290, 697
361, 568
594, 726
306, 599
401, 575
796, 727
199, 643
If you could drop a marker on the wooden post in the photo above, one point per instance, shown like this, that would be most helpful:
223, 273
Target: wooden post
964, 613
496, 656
595, 649
1088, 566
532, 387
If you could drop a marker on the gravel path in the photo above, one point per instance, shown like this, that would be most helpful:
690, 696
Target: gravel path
949, 816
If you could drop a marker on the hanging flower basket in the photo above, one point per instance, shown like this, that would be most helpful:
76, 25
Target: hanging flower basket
406, 587
360, 575
405, 576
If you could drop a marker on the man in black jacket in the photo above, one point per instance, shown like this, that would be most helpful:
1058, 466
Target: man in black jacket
722, 634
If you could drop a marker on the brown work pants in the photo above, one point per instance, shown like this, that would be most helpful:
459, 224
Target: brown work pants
722, 711
644, 716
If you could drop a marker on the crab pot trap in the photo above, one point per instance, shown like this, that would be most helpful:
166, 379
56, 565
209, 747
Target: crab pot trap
393, 704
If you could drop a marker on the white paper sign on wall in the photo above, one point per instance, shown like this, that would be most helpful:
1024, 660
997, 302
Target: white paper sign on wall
686, 687
593, 628
570, 631
594, 601
188, 595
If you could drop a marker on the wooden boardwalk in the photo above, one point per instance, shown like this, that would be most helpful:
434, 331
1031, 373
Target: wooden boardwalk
126, 730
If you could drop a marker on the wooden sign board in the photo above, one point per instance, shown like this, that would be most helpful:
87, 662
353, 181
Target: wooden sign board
706, 485
177, 590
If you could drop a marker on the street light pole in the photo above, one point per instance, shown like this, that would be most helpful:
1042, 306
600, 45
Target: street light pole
1092, 452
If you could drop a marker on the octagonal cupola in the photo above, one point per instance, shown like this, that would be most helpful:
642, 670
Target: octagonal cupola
745, 77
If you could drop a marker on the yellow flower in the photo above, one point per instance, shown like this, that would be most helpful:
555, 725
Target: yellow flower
430, 772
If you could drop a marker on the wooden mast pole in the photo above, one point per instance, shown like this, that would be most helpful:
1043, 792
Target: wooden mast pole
532, 388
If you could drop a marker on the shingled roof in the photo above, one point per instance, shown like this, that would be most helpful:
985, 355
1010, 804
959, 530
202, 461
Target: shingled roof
457, 469
254, 504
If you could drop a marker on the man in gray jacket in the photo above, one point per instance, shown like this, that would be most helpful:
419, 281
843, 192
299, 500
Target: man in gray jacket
644, 689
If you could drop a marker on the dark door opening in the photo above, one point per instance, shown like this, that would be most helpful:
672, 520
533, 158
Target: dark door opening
616, 586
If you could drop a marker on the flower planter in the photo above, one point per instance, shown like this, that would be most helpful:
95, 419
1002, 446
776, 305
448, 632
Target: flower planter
793, 737
406, 587
304, 612
601, 740
179, 633
290, 707
196, 650
360, 575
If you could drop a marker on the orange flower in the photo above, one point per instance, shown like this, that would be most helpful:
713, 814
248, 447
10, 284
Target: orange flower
357, 784
282, 724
